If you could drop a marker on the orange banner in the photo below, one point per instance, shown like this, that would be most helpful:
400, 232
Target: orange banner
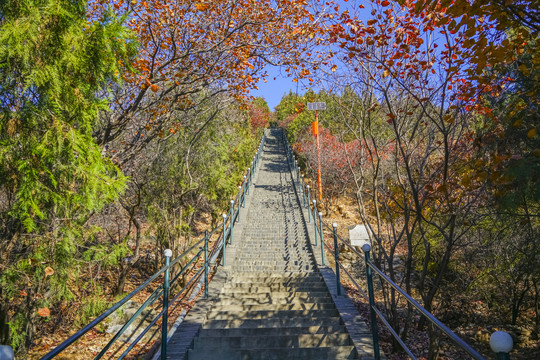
315, 127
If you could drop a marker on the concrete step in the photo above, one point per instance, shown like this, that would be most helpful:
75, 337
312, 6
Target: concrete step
320, 353
242, 292
262, 288
273, 307
276, 262
272, 341
274, 268
271, 323
288, 278
294, 296
332, 329
269, 300
271, 253
283, 275
247, 282
267, 314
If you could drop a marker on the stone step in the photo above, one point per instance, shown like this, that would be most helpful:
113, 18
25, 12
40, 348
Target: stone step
271, 323
274, 261
240, 292
272, 341
273, 268
264, 288
265, 251
239, 277
266, 314
258, 253
268, 300
273, 307
255, 281
320, 353
331, 329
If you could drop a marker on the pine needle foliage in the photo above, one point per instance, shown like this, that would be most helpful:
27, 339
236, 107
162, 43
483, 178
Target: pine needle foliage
54, 61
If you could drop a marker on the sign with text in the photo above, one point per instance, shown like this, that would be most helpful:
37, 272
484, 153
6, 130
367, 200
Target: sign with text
316, 106
359, 235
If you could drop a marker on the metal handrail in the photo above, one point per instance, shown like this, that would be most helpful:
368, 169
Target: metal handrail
162, 290
371, 267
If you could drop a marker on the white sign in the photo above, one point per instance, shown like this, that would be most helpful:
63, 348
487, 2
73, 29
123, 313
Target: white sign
359, 235
316, 106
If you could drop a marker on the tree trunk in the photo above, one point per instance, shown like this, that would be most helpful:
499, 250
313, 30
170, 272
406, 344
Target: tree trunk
434, 343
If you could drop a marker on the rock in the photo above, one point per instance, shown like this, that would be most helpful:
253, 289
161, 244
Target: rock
120, 317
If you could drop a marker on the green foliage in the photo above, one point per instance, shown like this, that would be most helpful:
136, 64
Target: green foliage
92, 306
511, 131
55, 64
199, 171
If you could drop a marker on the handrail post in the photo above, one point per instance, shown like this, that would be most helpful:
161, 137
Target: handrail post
297, 171
206, 264
315, 221
250, 170
242, 190
369, 274
231, 221
223, 238
239, 203
302, 184
309, 204
322, 239
168, 254
336, 259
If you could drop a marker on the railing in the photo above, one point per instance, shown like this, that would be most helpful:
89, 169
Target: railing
159, 298
318, 223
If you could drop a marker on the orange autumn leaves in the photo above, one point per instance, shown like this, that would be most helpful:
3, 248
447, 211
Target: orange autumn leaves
202, 6
224, 43
44, 312
187, 48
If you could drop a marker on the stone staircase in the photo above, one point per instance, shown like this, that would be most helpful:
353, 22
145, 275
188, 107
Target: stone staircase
273, 302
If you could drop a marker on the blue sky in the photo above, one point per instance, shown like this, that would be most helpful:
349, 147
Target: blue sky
273, 90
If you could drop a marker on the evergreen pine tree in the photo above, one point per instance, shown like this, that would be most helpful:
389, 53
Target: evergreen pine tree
55, 61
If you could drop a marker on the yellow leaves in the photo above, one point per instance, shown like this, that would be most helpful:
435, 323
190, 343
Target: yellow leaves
531, 134
466, 180
386, 72
524, 69
442, 188
536, 152
371, 22
49, 271
449, 119
333, 68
